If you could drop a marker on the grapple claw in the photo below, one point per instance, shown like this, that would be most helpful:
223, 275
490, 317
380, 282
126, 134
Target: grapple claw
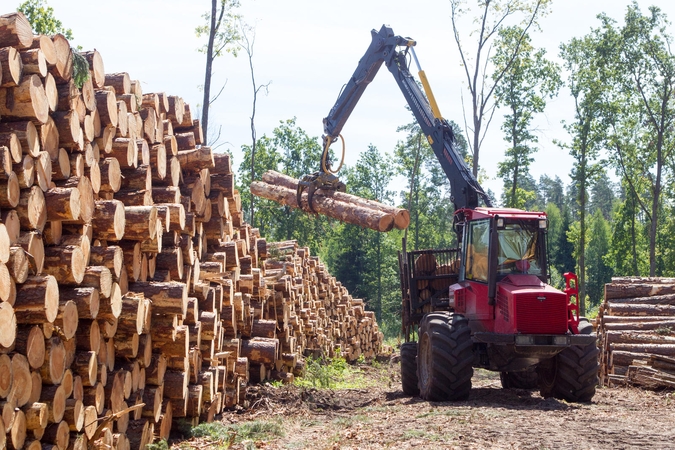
312, 182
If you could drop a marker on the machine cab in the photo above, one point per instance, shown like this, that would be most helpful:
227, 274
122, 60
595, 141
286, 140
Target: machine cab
504, 270
500, 242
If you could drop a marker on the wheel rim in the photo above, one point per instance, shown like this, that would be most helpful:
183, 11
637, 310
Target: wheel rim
547, 375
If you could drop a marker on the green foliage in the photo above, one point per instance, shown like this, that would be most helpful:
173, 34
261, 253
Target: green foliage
159, 445
639, 70
227, 31
291, 151
592, 311
427, 195
323, 373
491, 18
628, 253
598, 268
80, 69
587, 132
41, 18
522, 84
664, 331
550, 190
336, 373
602, 195
221, 435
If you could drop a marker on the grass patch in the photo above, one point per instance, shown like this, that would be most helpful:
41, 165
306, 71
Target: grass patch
160, 445
335, 373
439, 412
222, 436
344, 422
412, 434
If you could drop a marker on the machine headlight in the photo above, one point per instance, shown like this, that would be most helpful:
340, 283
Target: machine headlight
525, 340
560, 340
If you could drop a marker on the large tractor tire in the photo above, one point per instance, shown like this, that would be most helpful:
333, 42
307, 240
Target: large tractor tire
520, 380
444, 357
573, 374
409, 369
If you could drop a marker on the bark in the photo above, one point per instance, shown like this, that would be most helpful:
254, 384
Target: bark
326, 204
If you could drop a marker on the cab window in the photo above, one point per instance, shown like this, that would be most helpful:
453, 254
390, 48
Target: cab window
477, 242
518, 250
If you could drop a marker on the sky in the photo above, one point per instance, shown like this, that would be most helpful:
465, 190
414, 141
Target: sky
307, 50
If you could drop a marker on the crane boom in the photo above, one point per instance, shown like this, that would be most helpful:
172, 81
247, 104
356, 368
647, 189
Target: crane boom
384, 48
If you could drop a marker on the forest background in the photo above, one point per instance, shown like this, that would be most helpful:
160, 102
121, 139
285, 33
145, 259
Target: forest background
611, 214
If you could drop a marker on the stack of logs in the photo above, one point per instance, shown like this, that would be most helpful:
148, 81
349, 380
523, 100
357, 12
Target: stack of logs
132, 293
636, 332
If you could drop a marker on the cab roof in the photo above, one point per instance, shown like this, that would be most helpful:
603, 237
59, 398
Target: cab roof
507, 213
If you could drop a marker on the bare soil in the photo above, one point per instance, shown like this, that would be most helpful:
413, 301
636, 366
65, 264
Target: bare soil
381, 416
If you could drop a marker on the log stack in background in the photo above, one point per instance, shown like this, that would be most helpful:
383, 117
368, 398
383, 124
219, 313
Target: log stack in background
636, 332
132, 293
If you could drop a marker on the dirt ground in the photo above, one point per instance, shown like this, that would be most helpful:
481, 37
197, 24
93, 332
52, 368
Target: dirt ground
381, 416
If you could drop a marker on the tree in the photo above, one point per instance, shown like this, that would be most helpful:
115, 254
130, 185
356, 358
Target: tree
267, 158
602, 195
525, 82
247, 42
599, 271
550, 190
640, 67
491, 18
628, 252
427, 195
291, 151
223, 33
364, 258
42, 19
587, 132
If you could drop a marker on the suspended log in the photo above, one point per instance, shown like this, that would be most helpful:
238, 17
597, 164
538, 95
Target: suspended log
401, 216
325, 204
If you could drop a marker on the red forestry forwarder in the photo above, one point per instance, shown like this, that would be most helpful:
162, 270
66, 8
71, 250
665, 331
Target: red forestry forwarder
485, 304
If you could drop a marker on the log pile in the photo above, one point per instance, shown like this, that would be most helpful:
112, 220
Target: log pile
636, 332
132, 292
337, 205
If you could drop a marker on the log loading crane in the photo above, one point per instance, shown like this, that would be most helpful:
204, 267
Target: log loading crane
487, 303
